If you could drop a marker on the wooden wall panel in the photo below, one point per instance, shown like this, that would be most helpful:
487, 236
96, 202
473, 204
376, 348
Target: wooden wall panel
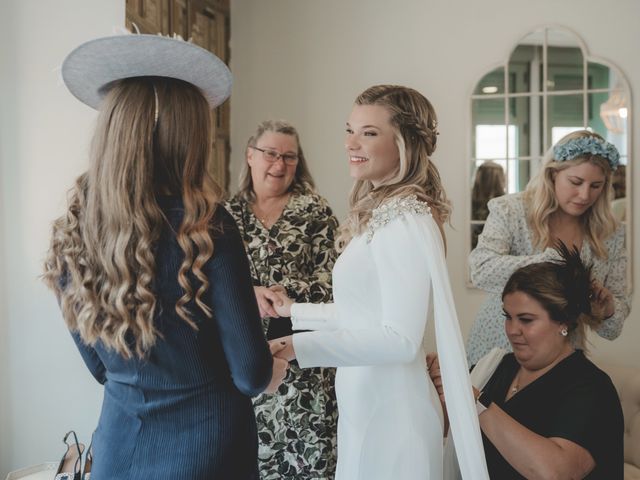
206, 23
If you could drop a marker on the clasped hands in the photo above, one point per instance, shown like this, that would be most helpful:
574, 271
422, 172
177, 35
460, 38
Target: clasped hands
282, 352
274, 302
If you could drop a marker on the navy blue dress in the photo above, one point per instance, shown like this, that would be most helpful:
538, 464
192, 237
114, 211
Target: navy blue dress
185, 411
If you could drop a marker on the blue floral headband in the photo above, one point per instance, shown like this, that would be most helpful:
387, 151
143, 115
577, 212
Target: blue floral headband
587, 145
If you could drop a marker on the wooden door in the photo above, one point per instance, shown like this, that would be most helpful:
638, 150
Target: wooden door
205, 23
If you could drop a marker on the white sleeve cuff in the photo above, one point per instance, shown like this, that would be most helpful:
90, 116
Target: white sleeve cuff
313, 316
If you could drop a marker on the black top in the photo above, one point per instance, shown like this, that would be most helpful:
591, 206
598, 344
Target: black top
575, 400
185, 411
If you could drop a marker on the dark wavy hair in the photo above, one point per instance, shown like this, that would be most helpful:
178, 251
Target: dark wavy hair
564, 289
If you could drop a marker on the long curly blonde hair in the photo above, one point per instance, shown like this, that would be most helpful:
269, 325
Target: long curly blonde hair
101, 261
598, 222
415, 123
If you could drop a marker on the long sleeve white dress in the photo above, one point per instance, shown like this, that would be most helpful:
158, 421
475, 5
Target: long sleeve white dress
390, 419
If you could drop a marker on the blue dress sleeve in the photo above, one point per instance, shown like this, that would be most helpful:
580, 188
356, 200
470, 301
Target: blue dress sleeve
87, 352
235, 312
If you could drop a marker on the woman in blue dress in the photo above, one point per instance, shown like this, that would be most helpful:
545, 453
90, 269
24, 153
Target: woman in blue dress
151, 273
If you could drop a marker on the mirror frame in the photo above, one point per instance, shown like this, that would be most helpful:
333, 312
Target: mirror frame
544, 95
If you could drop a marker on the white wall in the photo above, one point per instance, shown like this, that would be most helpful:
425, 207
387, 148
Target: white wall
295, 59
6, 86
306, 61
44, 138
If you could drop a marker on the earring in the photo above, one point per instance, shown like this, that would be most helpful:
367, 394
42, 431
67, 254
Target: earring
564, 332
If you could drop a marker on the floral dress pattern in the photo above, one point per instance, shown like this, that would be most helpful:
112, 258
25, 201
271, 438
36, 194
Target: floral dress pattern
297, 425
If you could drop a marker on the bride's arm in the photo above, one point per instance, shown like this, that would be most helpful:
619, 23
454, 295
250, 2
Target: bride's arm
402, 274
306, 316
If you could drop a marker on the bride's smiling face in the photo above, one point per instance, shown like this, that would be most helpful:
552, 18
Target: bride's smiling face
371, 144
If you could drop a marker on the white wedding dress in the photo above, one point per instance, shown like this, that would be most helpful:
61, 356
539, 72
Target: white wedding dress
390, 419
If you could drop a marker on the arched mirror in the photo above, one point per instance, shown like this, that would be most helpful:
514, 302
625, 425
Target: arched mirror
548, 87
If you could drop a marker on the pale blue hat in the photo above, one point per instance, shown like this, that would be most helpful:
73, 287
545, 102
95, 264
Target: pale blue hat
90, 69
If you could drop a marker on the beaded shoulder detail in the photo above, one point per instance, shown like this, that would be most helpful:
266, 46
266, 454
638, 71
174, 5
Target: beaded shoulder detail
393, 209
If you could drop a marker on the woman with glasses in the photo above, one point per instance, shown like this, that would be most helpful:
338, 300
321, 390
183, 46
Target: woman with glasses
288, 231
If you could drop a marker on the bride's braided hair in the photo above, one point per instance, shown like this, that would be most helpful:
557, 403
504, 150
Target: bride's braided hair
416, 124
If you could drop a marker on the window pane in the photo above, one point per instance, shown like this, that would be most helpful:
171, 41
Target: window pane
519, 118
565, 68
525, 69
565, 114
519, 172
495, 141
492, 82
599, 76
489, 131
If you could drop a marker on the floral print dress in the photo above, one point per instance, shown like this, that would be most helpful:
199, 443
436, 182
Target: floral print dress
297, 425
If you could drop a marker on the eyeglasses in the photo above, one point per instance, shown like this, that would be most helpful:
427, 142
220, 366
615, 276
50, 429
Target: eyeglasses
272, 156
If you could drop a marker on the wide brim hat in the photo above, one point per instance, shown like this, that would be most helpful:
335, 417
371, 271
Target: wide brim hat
90, 70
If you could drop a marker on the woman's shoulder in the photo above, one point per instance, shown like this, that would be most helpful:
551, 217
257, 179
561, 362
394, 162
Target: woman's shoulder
235, 205
617, 239
510, 202
310, 204
579, 370
309, 198
394, 208
221, 221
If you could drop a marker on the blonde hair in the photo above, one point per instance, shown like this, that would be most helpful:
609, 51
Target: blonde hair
101, 262
598, 222
302, 179
415, 123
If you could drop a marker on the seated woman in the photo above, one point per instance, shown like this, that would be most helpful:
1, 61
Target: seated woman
547, 411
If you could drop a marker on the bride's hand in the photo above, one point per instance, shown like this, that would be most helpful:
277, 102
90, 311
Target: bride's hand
265, 298
283, 348
283, 304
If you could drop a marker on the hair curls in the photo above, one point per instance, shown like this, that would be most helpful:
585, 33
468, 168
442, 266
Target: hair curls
101, 262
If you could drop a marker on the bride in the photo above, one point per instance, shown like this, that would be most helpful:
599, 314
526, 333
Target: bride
390, 418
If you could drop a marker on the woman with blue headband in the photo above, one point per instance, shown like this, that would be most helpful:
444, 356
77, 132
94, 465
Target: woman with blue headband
569, 201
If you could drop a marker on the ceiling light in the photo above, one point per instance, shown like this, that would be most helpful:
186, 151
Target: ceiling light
490, 89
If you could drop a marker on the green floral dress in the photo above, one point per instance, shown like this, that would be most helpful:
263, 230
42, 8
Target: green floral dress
297, 425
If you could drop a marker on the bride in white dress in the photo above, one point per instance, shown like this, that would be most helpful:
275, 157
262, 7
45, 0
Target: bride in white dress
390, 418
